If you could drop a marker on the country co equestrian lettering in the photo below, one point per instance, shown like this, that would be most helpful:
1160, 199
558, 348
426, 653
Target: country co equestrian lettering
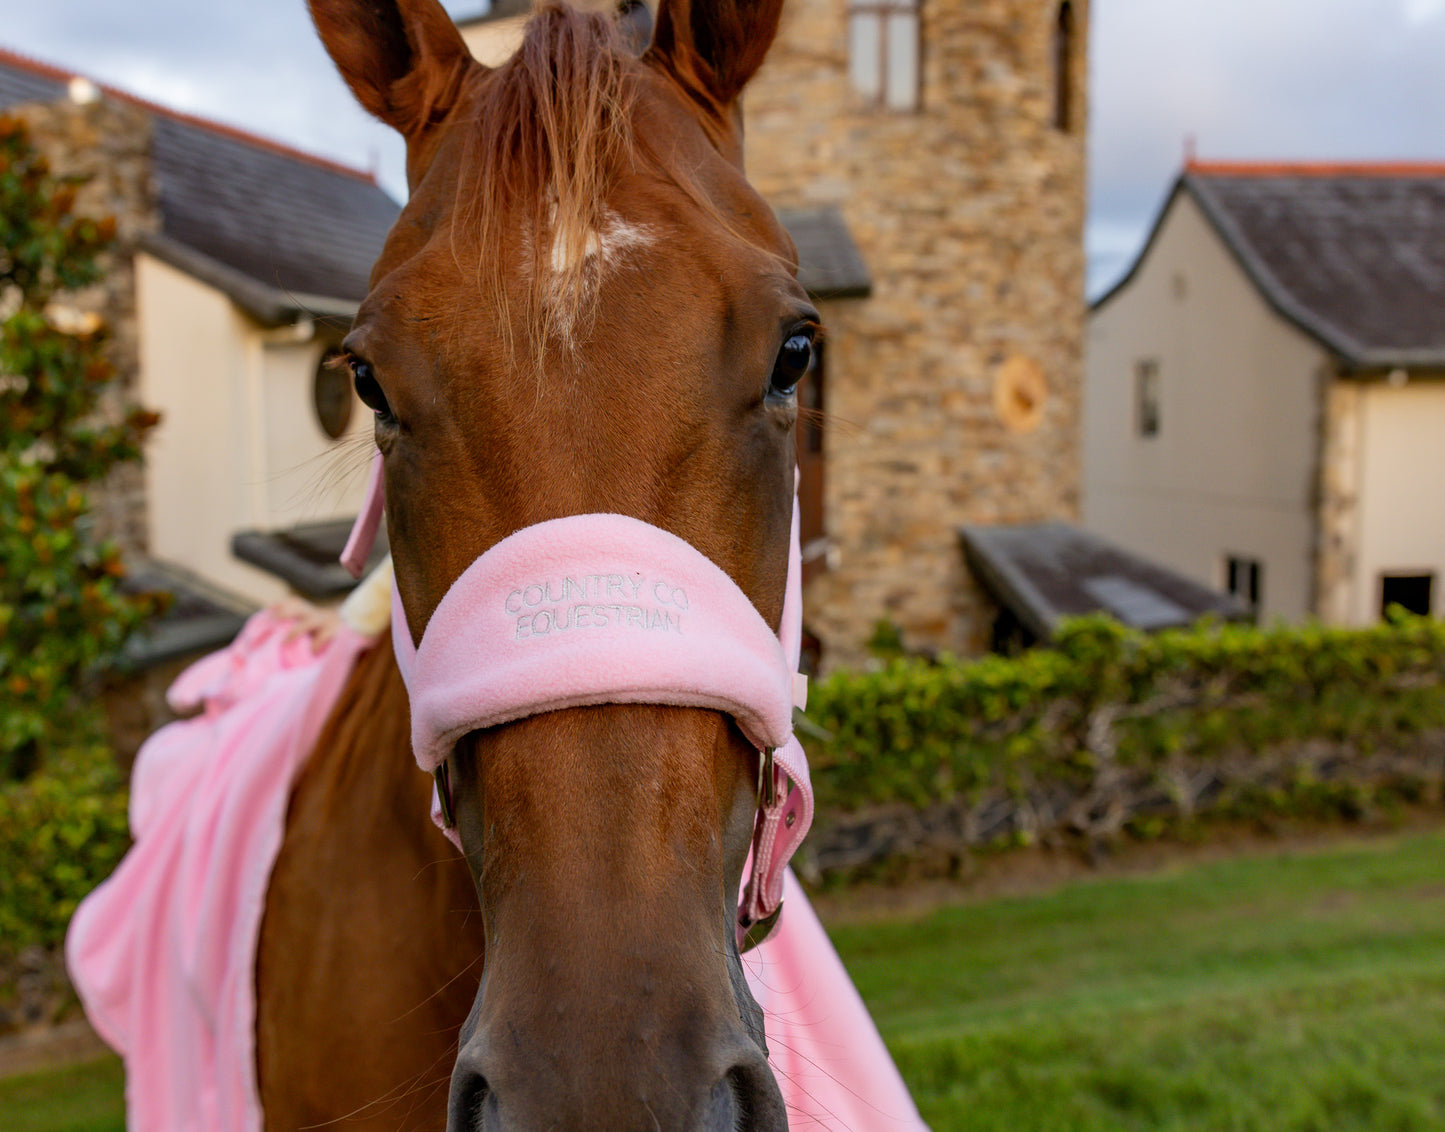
596, 601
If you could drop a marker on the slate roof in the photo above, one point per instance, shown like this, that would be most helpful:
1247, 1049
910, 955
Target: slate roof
1046, 572
306, 228
1352, 254
22, 80
279, 230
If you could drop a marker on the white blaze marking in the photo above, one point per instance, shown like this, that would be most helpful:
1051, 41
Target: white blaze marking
604, 245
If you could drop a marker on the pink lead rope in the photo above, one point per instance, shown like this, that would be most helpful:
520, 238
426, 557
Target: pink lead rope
368, 519
595, 609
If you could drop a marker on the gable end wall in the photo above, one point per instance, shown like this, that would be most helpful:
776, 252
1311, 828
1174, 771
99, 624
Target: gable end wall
1235, 467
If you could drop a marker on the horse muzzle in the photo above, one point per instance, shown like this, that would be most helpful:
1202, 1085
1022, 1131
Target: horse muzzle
744, 1097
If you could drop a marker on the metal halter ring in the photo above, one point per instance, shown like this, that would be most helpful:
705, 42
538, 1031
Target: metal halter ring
759, 930
767, 779
443, 777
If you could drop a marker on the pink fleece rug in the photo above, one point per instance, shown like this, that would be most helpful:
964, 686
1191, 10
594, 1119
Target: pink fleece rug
162, 953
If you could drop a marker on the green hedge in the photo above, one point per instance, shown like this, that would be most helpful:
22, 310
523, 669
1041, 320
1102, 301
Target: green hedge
1109, 701
1053, 722
62, 831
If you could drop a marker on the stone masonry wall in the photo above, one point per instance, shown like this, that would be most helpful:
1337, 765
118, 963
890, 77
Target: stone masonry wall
953, 392
108, 141
1337, 500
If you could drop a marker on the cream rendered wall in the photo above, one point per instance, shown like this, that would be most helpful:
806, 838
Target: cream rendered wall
493, 42
308, 476
1232, 470
193, 370
238, 445
1401, 516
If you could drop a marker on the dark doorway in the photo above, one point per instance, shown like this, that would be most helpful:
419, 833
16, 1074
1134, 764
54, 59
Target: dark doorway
811, 402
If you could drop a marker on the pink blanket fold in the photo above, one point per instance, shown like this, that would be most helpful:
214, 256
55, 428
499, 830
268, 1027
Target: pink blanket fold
833, 1068
163, 952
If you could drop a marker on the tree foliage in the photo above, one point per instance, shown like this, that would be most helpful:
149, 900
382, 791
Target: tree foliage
64, 425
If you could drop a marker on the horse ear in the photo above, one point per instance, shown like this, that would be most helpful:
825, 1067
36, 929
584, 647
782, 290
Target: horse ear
715, 46
403, 59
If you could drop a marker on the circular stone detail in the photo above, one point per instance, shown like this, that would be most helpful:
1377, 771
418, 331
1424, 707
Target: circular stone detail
1020, 393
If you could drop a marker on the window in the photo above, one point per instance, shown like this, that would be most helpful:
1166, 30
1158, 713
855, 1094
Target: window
1146, 396
1244, 578
1412, 592
1063, 69
883, 37
331, 395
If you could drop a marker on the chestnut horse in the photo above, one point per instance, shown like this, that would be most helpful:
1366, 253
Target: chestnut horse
583, 308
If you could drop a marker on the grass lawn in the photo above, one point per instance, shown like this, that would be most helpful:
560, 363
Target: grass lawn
1287, 992
87, 1097
1295, 991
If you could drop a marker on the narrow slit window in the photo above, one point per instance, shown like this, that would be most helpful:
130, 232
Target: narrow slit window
1147, 407
1063, 68
1244, 578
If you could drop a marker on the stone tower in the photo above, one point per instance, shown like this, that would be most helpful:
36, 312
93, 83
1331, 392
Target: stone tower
949, 135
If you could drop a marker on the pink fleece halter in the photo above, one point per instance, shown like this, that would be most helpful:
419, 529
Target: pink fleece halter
598, 609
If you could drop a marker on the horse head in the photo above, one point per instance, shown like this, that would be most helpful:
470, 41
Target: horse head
584, 308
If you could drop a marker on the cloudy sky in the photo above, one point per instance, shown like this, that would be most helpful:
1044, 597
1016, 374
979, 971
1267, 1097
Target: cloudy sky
1248, 79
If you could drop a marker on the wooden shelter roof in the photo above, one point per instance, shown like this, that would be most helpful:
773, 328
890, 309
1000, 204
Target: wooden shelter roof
1044, 573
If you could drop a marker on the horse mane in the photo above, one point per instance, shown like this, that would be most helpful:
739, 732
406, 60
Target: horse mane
551, 127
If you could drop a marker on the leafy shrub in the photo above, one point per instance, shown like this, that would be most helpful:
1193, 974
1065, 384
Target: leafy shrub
62, 831
1107, 703
64, 424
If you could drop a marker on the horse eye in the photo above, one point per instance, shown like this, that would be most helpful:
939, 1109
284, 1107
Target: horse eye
369, 390
795, 359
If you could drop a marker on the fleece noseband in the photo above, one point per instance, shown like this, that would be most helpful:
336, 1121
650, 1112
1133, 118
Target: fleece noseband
607, 609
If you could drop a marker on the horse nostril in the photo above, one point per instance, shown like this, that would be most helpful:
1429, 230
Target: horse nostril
745, 1099
725, 1110
466, 1108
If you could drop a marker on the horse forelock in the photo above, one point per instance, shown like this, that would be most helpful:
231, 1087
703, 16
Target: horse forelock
550, 130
